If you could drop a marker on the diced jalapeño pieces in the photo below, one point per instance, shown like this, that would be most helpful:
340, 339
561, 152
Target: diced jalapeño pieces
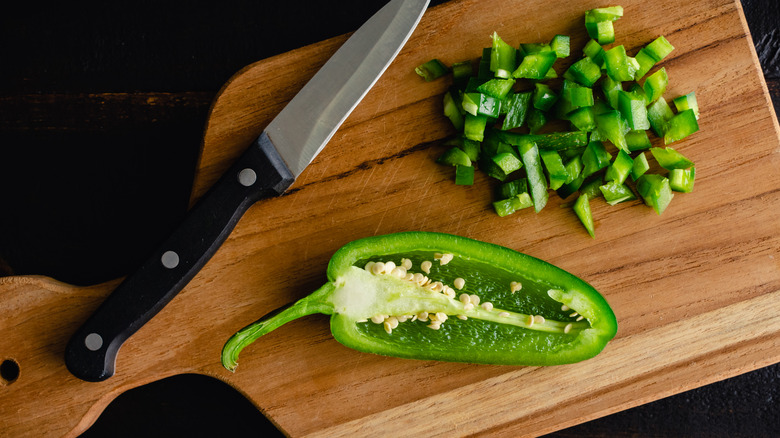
670, 159
560, 44
585, 72
681, 180
619, 170
431, 70
615, 192
535, 65
464, 175
502, 58
680, 126
452, 111
655, 190
617, 64
555, 168
582, 210
537, 182
687, 102
640, 166
655, 85
508, 206
659, 114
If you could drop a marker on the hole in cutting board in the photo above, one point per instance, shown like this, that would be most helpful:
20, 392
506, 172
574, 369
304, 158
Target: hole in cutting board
9, 371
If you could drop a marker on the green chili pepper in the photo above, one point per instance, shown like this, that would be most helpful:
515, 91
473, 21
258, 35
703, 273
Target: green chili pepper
464, 175
467, 301
517, 110
655, 85
687, 102
502, 58
670, 159
560, 44
582, 210
681, 180
655, 190
585, 72
617, 64
453, 111
640, 166
595, 52
680, 126
537, 182
431, 70
615, 192
658, 114
633, 110
620, 168
535, 65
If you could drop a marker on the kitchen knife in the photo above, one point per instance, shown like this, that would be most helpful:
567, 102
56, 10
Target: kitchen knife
267, 168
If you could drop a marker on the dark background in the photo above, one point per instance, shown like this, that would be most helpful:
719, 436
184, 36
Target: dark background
102, 109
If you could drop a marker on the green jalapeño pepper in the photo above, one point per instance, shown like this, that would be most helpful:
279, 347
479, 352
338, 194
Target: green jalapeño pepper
432, 296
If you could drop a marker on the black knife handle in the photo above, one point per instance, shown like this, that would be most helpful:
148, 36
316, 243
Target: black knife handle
259, 173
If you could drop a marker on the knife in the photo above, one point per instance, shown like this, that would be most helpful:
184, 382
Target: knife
267, 168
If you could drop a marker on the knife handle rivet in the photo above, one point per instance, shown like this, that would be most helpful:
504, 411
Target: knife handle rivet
170, 259
93, 341
247, 177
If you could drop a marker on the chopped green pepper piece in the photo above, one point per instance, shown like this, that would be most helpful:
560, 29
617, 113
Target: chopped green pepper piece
659, 49
507, 161
633, 110
655, 85
594, 158
544, 97
529, 48
496, 88
536, 119
585, 72
581, 96
687, 102
484, 73
583, 119
462, 71
432, 70
615, 192
452, 111
669, 158
645, 61
612, 126
681, 180
560, 44
573, 168
617, 64
537, 182
611, 89
611, 13
464, 175
367, 305
505, 207
474, 127
601, 31
502, 57
454, 157
640, 166
478, 104
512, 188
639, 91
659, 114
595, 52
680, 126
655, 190
518, 106
535, 65
555, 169
620, 168
637, 140
591, 187
582, 210
471, 148
553, 141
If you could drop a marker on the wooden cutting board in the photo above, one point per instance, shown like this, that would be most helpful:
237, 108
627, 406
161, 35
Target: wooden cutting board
696, 290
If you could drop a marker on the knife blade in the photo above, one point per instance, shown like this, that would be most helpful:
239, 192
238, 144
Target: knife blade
267, 168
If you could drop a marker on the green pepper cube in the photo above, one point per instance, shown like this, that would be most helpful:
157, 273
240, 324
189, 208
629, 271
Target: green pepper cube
483, 72
633, 110
585, 72
454, 157
464, 175
645, 61
613, 127
573, 168
471, 148
687, 102
617, 64
496, 88
512, 188
452, 111
536, 119
507, 161
681, 180
583, 119
659, 114
611, 89
529, 48
615, 193
432, 70
537, 182
637, 140
655, 191
535, 65
474, 127
462, 71
639, 91
560, 44
594, 158
659, 49
611, 13
581, 96
582, 210
478, 104
591, 187
595, 52
544, 97
640, 166
620, 168
601, 31
555, 169
680, 126
511, 205
655, 85
669, 158
518, 105
502, 58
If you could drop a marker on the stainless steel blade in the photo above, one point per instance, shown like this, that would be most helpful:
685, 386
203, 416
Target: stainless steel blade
305, 125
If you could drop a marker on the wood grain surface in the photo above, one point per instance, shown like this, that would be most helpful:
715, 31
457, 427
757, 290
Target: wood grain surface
696, 290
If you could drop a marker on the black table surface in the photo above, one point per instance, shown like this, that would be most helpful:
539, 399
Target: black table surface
102, 109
